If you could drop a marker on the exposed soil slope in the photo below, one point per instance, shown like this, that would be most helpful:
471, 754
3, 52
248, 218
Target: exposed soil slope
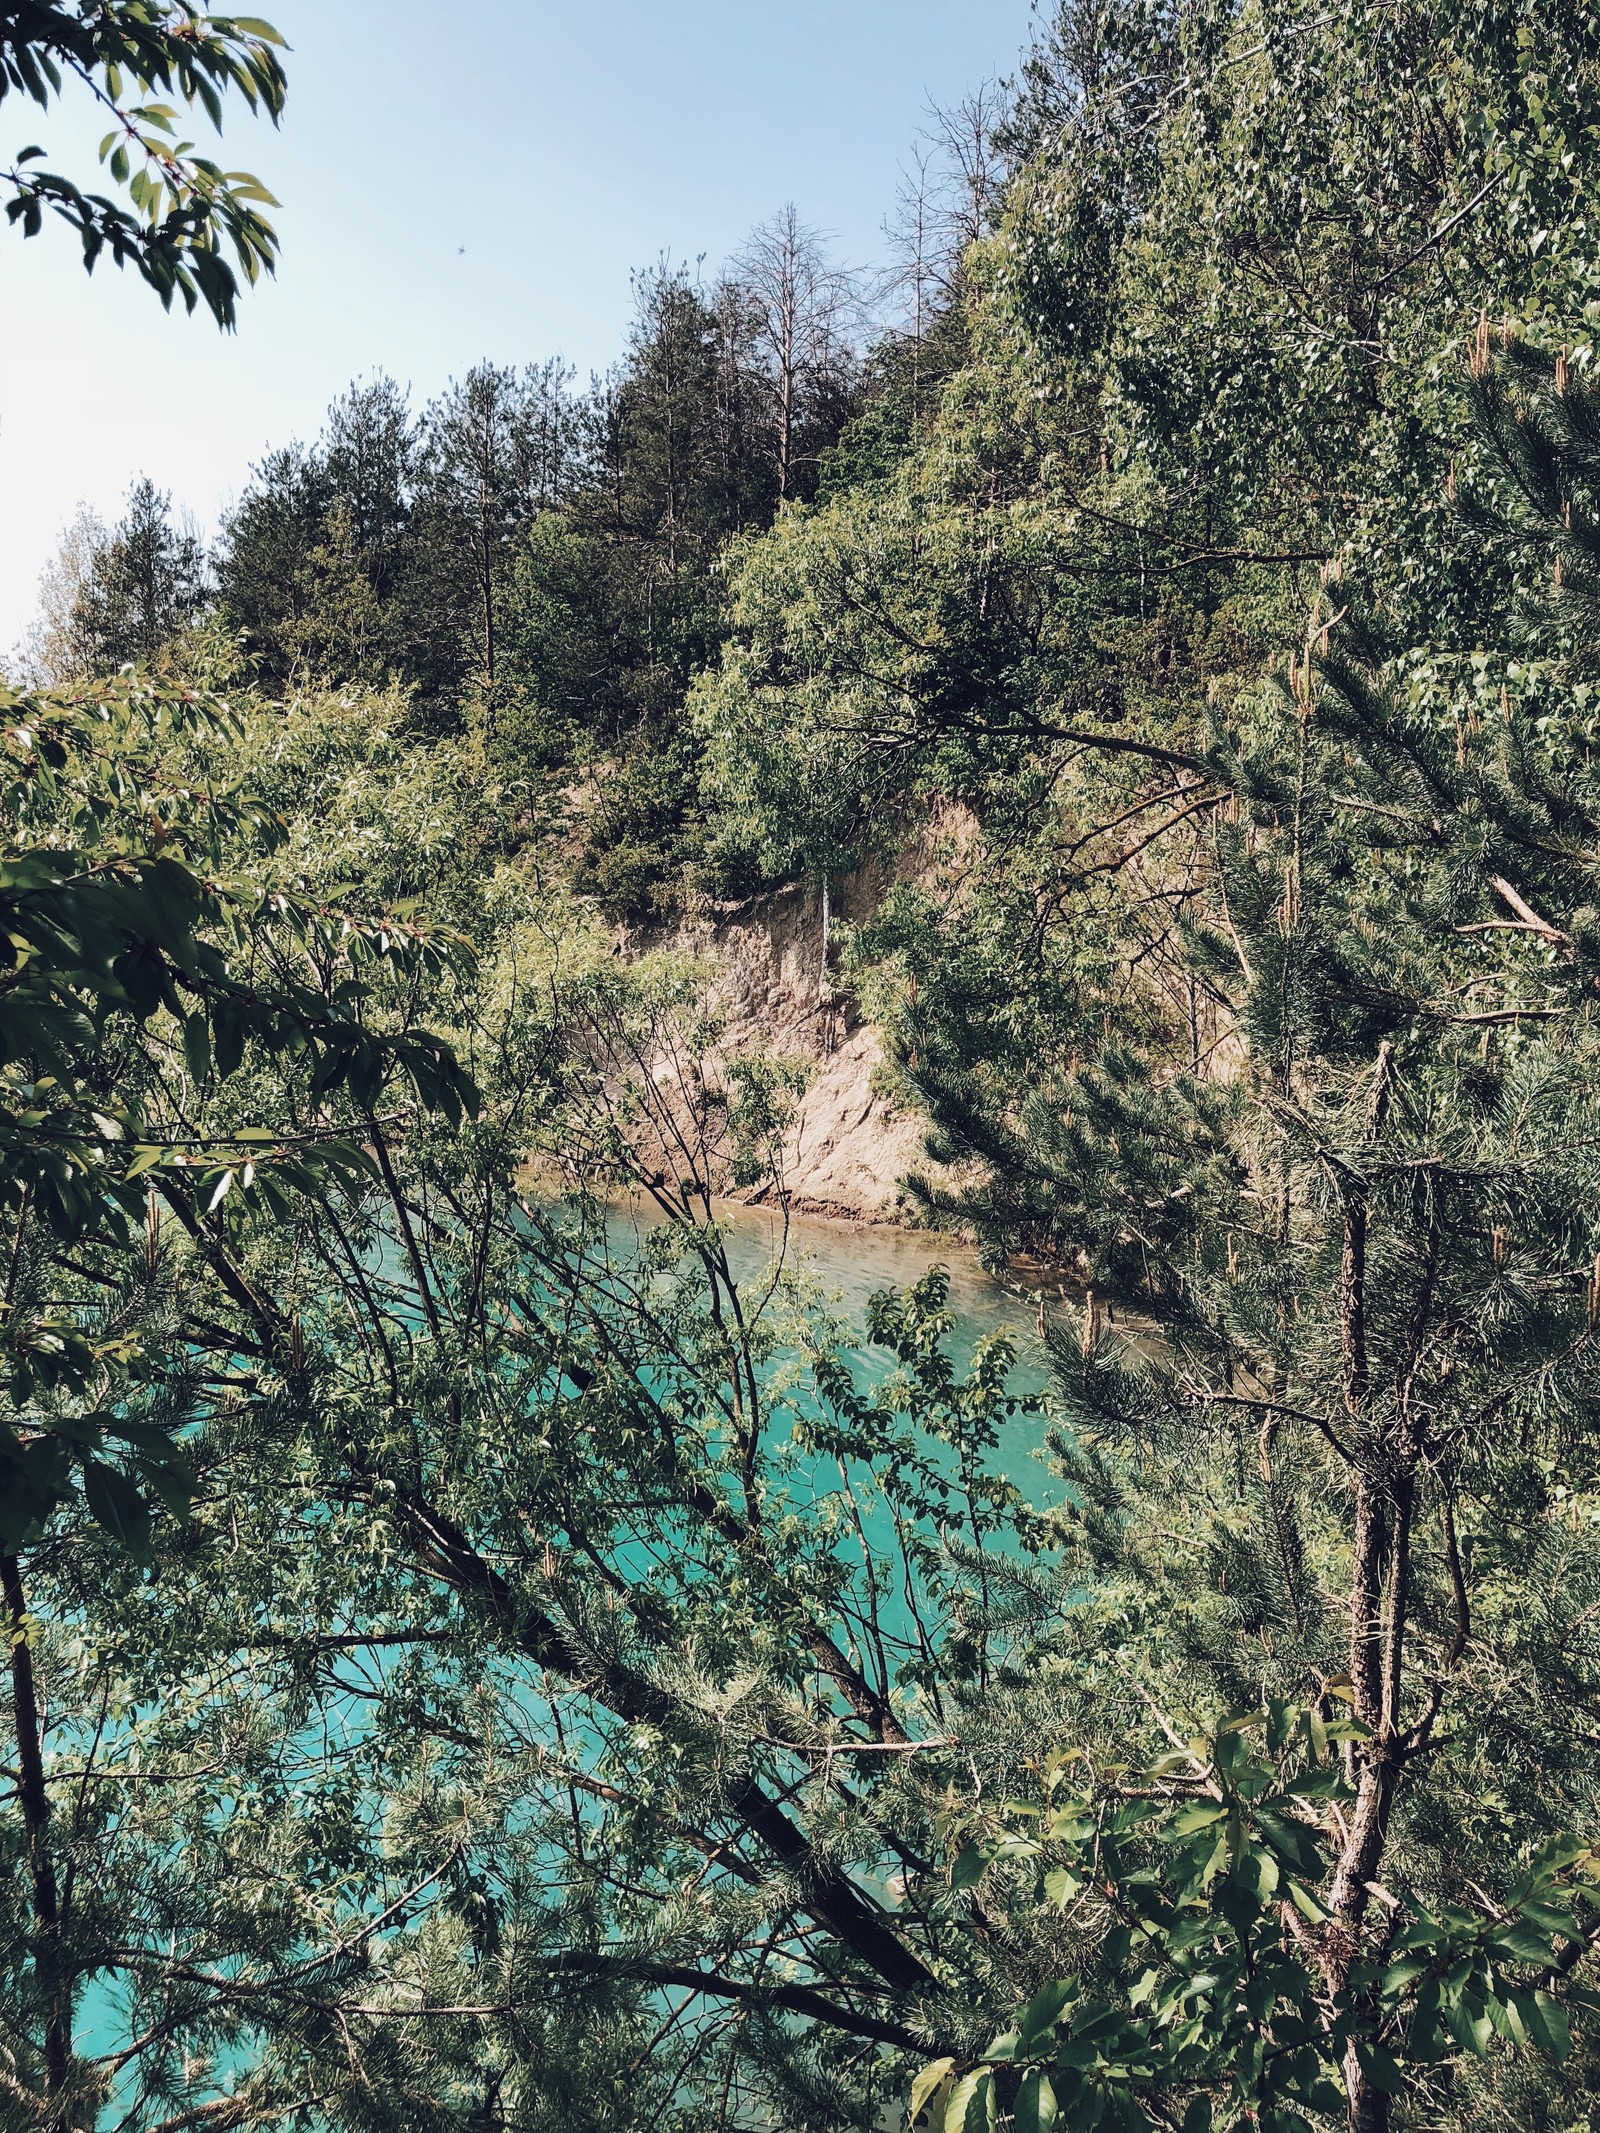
850, 1145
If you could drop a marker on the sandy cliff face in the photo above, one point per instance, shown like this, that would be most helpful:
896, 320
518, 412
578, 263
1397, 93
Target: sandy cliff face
849, 1146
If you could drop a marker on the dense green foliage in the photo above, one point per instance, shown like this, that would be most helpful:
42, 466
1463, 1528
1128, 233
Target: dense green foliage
542, 564
187, 213
137, 971
490, 1653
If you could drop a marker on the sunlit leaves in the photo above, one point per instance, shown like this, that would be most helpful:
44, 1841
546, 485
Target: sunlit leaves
1207, 1997
186, 212
142, 965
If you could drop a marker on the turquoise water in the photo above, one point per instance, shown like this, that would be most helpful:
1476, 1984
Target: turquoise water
844, 1266
852, 1264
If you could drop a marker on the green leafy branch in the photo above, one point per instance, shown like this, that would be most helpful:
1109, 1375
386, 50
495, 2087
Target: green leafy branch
1213, 1996
186, 212
136, 977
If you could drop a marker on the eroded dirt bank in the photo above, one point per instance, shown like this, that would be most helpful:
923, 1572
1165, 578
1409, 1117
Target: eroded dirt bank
850, 1145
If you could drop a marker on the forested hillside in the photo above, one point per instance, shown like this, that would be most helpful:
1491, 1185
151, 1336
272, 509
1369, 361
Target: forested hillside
486, 1655
530, 563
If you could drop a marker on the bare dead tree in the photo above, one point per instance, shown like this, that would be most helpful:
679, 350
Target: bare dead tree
804, 313
58, 648
947, 199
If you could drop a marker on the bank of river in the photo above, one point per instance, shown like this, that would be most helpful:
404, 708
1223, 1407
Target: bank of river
850, 1263
853, 1263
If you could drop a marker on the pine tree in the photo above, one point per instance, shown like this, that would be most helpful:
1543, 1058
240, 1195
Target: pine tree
1368, 1237
260, 561
496, 452
141, 587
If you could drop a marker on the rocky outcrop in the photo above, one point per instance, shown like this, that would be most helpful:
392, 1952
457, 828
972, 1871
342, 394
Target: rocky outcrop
769, 958
849, 1145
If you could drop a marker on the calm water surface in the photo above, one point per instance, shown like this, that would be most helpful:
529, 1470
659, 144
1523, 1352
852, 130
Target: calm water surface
850, 1265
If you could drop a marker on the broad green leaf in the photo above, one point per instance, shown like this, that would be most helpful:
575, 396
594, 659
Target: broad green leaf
971, 1866
966, 2099
1379, 2068
1201, 1815
118, 1506
1306, 1904
173, 1480
197, 1046
929, 2078
1035, 2110
1040, 2015
1549, 2023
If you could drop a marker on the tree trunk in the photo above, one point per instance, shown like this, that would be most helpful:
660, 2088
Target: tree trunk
35, 1802
486, 567
824, 989
1380, 1542
1367, 2110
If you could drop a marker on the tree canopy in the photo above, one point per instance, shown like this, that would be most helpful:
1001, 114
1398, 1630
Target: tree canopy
493, 1647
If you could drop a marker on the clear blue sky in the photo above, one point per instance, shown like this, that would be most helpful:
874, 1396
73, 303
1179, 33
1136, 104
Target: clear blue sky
459, 181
